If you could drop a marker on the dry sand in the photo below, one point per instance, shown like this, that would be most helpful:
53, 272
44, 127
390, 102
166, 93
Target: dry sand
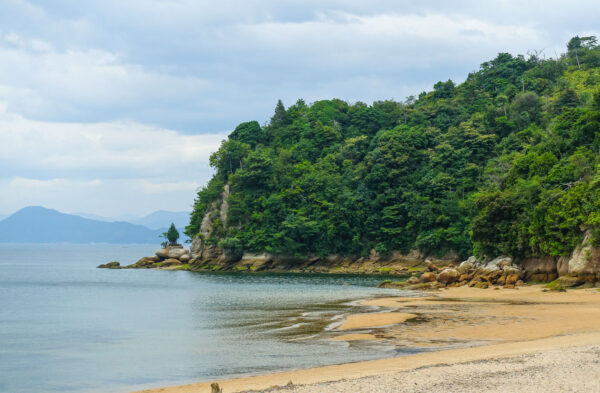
543, 341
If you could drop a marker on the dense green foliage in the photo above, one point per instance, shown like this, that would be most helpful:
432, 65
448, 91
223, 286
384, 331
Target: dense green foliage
503, 163
171, 235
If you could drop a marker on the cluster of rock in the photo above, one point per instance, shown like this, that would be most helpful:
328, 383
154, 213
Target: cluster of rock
170, 257
479, 274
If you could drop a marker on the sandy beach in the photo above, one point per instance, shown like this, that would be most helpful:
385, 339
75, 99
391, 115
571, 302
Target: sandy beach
477, 340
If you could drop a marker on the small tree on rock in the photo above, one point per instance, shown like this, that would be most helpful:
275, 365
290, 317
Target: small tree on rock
172, 235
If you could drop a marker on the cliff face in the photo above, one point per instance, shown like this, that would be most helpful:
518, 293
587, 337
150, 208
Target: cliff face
205, 246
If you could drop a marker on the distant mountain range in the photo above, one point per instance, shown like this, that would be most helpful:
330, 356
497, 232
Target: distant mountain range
155, 220
36, 224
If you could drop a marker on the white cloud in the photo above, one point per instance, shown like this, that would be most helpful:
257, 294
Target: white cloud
99, 99
110, 168
126, 148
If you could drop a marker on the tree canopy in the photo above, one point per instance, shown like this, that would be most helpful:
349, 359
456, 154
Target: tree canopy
504, 163
172, 235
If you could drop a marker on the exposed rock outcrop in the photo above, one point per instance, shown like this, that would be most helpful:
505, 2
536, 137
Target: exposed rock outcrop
585, 261
204, 247
169, 257
479, 274
583, 265
110, 265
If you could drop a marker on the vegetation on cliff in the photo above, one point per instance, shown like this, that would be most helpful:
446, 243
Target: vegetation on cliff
504, 163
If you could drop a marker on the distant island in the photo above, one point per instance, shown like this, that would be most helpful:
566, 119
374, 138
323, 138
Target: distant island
36, 224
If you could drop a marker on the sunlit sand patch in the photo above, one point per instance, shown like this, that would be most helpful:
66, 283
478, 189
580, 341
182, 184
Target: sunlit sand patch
371, 320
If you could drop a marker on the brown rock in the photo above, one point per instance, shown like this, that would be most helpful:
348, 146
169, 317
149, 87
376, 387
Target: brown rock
171, 262
519, 283
431, 267
495, 275
146, 261
482, 285
501, 280
465, 277
448, 276
413, 280
428, 277
512, 279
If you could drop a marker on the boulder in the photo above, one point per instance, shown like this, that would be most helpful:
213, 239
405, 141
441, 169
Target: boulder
465, 266
431, 267
448, 276
428, 277
162, 253
110, 265
495, 264
176, 252
413, 280
504, 262
510, 269
185, 258
171, 262
585, 260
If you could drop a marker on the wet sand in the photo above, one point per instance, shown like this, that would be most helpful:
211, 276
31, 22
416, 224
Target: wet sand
459, 325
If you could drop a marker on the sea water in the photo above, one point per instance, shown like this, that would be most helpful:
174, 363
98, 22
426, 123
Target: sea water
66, 326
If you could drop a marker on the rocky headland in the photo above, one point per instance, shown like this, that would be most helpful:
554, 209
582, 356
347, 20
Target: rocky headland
174, 257
416, 270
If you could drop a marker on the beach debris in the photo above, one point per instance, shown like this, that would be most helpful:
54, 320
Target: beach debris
215, 388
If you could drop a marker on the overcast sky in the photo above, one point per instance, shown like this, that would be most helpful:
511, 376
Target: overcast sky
113, 107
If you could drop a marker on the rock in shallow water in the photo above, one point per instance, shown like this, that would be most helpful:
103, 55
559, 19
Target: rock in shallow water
110, 265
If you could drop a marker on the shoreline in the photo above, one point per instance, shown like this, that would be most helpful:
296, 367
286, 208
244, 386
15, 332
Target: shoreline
358, 370
508, 323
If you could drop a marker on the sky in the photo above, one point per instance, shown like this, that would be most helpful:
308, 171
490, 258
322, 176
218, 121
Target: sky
113, 107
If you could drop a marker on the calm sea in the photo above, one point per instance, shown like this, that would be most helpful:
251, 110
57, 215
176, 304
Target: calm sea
66, 326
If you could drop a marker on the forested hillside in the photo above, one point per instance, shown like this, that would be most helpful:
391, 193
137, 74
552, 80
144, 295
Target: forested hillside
503, 163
